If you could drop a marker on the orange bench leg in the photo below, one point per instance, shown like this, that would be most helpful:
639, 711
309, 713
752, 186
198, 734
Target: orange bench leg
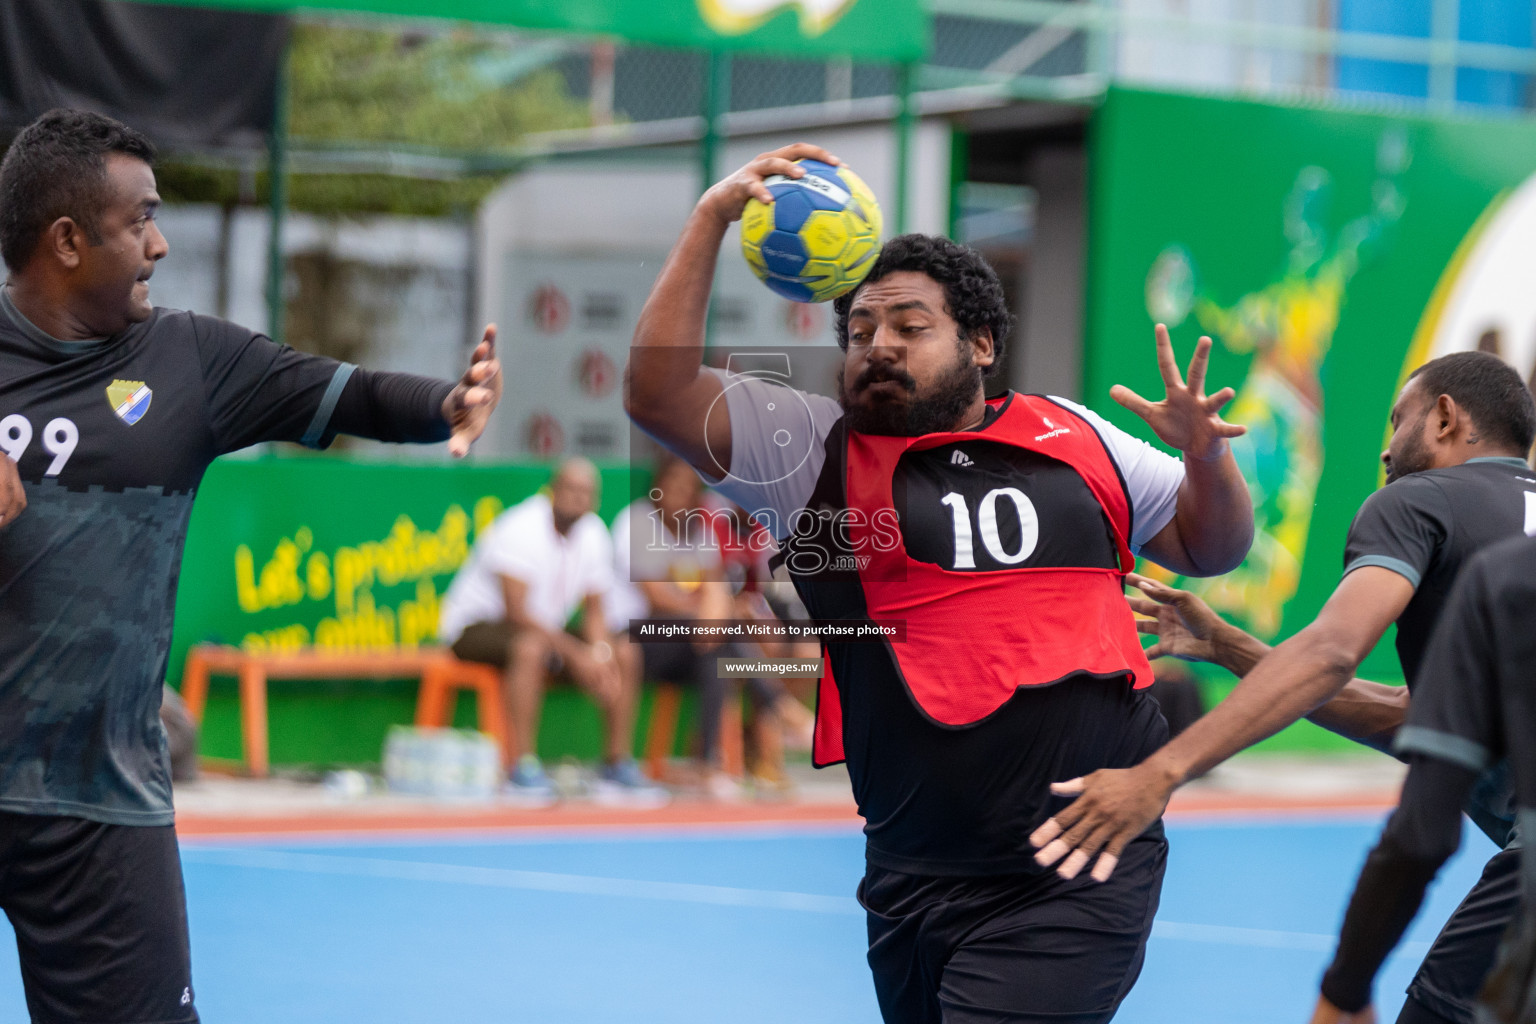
194, 684
733, 758
661, 734
433, 697
253, 718
439, 685
493, 713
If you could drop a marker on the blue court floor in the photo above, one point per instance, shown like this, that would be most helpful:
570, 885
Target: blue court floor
703, 927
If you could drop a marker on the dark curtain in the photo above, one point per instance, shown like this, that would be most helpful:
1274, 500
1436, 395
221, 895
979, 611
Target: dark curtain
185, 77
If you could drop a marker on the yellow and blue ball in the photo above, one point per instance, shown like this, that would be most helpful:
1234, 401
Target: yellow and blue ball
819, 236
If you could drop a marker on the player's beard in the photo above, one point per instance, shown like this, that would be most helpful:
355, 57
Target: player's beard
939, 408
1413, 457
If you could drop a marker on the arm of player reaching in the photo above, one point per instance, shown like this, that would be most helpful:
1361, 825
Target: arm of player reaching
667, 391
1366, 712
1113, 806
12, 498
468, 406
1213, 527
1187, 628
399, 407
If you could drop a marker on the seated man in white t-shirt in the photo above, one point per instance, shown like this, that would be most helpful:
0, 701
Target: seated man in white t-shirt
537, 564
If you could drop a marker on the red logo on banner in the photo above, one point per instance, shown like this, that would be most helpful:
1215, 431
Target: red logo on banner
803, 319
596, 373
549, 309
544, 435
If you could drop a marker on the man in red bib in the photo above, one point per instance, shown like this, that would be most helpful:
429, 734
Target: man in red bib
997, 532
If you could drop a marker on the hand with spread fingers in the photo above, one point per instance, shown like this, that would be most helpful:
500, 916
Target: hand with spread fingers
12, 498
728, 197
1184, 625
1113, 806
468, 406
1188, 629
1186, 418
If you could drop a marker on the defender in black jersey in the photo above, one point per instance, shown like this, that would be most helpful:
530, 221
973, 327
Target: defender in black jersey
1457, 483
997, 531
1475, 707
110, 411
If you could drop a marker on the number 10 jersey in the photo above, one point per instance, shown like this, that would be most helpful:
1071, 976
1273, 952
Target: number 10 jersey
1001, 553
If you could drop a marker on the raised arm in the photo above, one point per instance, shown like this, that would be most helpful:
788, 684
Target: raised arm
1187, 628
667, 391
1213, 527
1113, 806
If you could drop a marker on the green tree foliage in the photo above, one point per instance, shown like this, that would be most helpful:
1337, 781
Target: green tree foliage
372, 88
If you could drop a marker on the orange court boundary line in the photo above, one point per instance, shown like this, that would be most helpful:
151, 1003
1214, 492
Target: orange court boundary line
700, 816
557, 819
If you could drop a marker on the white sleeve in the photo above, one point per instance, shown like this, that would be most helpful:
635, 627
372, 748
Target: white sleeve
1152, 476
778, 445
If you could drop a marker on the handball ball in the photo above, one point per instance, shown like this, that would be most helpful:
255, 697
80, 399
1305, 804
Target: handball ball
818, 238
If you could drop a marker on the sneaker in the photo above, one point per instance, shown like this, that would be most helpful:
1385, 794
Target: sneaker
770, 784
723, 788
528, 785
621, 783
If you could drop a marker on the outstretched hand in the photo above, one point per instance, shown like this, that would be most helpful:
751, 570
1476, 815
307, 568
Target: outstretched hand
1186, 419
468, 406
728, 197
1185, 626
1113, 806
12, 498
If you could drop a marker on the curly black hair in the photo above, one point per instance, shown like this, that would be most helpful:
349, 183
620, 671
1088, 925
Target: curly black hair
972, 292
57, 167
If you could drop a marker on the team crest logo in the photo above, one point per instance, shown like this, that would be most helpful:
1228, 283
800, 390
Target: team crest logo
129, 399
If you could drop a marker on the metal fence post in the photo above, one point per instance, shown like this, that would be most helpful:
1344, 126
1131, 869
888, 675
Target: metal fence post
906, 73
277, 197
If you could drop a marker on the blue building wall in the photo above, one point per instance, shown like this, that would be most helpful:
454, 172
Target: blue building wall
1483, 21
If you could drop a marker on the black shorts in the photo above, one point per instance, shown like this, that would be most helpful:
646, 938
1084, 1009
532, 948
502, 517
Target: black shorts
1447, 983
100, 918
1020, 949
488, 643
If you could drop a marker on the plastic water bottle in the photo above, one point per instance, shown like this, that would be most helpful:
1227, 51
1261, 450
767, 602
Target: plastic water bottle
444, 763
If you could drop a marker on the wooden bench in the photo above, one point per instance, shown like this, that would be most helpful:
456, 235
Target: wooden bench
441, 675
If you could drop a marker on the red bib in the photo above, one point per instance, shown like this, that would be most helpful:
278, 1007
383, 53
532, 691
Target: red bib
973, 638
